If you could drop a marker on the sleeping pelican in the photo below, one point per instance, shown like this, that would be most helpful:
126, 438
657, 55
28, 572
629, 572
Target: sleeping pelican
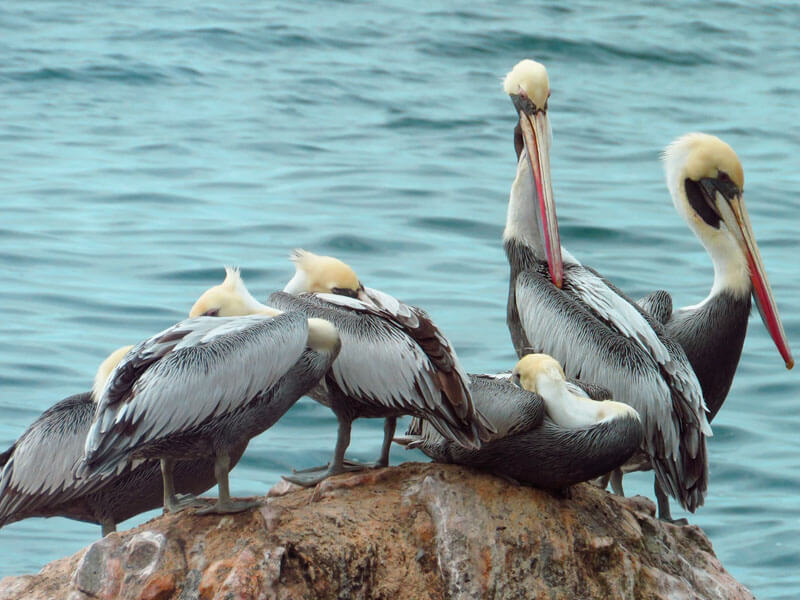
204, 387
37, 478
705, 180
558, 306
394, 361
550, 434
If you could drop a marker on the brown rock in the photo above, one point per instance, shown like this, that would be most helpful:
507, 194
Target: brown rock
424, 531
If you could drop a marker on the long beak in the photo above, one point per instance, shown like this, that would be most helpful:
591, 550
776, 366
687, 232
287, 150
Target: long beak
534, 135
762, 293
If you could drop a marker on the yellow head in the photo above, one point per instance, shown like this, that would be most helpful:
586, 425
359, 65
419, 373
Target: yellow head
321, 274
533, 367
704, 156
104, 370
529, 79
228, 299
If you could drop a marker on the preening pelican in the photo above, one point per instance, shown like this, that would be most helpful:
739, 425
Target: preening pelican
37, 477
576, 440
202, 388
394, 360
706, 180
558, 306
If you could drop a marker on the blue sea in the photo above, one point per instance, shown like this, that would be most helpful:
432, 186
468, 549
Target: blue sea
145, 145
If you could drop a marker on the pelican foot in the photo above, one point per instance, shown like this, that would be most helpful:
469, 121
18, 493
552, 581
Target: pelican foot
231, 506
179, 502
347, 465
309, 479
679, 522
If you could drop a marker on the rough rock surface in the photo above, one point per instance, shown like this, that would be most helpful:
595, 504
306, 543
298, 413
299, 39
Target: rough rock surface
415, 531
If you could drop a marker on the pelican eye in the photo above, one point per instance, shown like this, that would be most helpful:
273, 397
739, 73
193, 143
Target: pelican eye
211, 312
345, 292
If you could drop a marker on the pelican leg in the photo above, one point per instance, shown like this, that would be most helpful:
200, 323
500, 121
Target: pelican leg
108, 525
389, 426
664, 513
224, 504
336, 466
174, 502
616, 483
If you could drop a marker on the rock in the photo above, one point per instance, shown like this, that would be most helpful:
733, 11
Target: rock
424, 531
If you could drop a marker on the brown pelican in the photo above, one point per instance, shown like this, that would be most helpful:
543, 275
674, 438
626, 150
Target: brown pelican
705, 180
578, 439
37, 478
202, 388
558, 306
394, 360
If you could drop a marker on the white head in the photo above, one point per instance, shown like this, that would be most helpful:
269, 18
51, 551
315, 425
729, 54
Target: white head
105, 369
706, 182
321, 274
529, 79
231, 298
536, 371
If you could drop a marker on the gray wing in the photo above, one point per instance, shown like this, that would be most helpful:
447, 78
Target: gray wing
600, 336
658, 305
37, 472
194, 371
508, 408
381, 363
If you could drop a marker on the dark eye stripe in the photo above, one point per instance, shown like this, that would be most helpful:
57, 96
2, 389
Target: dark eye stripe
698, 202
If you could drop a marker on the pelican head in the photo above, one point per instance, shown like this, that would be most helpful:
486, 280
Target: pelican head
229, 299
105, 369
529, 88
533, 371
322, 274
706, 182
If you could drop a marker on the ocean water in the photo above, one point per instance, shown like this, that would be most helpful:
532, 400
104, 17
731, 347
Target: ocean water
143, 146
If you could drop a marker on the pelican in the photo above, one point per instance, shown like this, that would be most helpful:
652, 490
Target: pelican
204, 387
394, 360
706, 180
558, 306
550, 434
37, 479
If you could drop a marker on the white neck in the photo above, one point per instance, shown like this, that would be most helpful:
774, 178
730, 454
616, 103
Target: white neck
522, 219
564, 408
731, 273
297, 284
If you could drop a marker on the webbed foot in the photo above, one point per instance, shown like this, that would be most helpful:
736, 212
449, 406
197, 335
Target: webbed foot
229, 506
177, 502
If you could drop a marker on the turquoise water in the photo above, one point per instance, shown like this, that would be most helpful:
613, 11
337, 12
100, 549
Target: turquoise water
144, 147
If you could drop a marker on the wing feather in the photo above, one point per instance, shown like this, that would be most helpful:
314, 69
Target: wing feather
394, 354
195, 371
598, 335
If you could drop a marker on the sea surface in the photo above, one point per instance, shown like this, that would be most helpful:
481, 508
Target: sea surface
145, 145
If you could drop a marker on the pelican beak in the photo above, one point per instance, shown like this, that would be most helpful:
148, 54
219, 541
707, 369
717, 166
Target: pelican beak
535, 136
734, 214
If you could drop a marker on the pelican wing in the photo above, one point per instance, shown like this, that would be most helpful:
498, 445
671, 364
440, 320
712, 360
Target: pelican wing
658, 305
598, 335
393, 355
185, 376
37, 472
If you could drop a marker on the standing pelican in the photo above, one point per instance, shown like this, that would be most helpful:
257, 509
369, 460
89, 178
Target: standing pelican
202, 388
705, 180
558, 306
578, 439
393, 361
37, 478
